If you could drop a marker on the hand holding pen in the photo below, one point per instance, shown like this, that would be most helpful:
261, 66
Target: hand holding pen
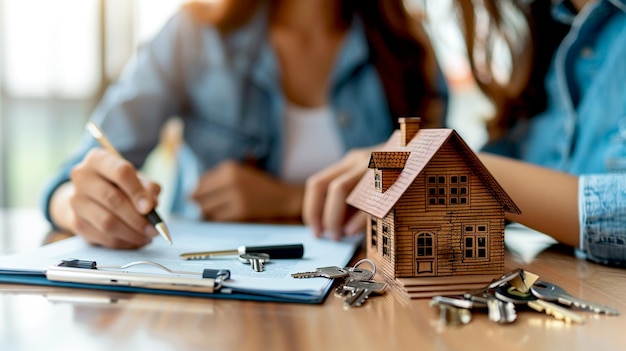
142, 205
106, 201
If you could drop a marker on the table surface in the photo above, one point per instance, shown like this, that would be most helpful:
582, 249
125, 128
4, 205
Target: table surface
34, 317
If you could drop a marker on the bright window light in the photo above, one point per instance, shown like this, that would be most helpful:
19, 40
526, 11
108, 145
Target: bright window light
51, 48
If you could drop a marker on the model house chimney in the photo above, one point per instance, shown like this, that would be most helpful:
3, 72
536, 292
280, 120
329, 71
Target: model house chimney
409, 126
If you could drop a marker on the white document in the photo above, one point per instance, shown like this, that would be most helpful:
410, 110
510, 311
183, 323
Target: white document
189, 236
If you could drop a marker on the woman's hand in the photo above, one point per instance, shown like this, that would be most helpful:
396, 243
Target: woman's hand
237, 192
105, 202
325, 209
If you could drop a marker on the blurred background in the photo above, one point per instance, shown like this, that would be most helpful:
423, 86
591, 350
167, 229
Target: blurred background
57, 57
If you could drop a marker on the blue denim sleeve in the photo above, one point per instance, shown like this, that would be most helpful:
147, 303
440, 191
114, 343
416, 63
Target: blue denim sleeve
602, 202
135, 106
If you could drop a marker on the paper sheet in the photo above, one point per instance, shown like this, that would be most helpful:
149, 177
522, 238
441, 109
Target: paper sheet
189, 236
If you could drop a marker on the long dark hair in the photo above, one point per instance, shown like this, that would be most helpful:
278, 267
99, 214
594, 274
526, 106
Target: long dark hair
399, 49
531, 42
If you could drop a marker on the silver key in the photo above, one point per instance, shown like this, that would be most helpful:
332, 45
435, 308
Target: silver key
505, 278
451, 315
551, 292
363, 289
256, 260
500, 311
458, 303
350, 286
510, 294
331, 272
358, 274
341, 291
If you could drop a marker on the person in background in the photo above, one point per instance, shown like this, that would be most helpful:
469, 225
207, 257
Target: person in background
269, 92
558, 140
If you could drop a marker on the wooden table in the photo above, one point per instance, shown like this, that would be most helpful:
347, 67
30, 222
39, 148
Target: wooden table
39, 318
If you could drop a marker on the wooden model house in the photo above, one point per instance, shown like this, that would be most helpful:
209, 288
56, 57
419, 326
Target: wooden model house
433, 211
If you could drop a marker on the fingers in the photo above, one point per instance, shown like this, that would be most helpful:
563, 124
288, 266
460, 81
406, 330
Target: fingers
122, 173
355, 224
99, 226
222, 206
235, 192
215, 179
212, 193
103, 211
153, 188
335, 207
315, 197
324, 207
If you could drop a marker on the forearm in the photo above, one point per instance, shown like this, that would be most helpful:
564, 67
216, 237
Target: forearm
547, 199
59, 204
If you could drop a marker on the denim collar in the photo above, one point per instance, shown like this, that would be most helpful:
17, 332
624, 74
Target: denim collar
250, 50
563, 13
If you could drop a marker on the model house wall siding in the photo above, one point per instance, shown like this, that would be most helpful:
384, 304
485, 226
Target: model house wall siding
384, 263
413, 214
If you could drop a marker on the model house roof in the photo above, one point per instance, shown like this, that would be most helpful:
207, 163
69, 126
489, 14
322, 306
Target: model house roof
388, 159
415, 156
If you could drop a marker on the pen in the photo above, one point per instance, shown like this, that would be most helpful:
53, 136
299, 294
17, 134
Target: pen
153, 216
275, 252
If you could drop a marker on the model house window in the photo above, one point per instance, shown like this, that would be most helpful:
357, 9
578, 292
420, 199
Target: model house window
475, 241
378, 183
448, 190
386, 251
425, 245
374, 233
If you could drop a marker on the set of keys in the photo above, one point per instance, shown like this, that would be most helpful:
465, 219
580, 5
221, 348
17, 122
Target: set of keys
357, 286
256, 256
516, 290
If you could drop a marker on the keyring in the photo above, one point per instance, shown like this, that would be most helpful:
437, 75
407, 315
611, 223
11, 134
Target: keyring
367, 260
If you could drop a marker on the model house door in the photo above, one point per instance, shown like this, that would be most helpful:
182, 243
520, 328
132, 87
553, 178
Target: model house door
425, 250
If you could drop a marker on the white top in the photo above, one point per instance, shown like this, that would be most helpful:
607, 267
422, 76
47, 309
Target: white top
312, 142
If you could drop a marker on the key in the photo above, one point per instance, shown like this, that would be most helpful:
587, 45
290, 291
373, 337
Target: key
363, 289
452, 311
478, 301
358, 274
512, 295
256, 260
458, 303
451, 315
556, 311
505, 278
348, 287
342, 291
331, 272
551, 292
501, 312
275, 252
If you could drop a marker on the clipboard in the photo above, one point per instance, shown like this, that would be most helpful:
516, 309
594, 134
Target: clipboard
88, 272
39, 266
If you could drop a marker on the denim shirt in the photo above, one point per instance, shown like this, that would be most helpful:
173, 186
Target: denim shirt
583, 130
226, 90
